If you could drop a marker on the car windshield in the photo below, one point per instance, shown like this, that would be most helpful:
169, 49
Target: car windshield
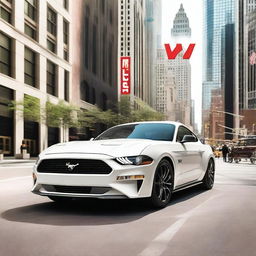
150, 131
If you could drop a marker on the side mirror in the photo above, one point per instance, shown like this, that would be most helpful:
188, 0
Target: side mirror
188, 138
91, 139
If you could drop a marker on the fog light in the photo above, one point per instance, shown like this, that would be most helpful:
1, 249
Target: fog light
131, 177
34, 178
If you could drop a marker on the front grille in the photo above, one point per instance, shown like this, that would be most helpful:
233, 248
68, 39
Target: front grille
76, 189
74, 166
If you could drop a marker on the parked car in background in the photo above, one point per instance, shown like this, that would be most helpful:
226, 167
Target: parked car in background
244, 149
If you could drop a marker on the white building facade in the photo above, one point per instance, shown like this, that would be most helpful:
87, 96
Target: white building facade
35, 61
181, 68
166, 96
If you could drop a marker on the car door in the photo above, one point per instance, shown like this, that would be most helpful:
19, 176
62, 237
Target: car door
189, 157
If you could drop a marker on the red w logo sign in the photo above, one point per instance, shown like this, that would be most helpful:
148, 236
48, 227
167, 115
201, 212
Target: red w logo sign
173, 54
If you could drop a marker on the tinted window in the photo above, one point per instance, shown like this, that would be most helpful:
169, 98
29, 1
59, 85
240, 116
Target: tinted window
182, 132
151, 131
248, 142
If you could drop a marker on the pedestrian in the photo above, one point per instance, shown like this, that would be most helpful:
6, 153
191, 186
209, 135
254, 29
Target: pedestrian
225, 151
23, 147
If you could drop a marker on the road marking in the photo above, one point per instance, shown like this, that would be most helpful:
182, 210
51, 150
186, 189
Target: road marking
159, 244
16, 178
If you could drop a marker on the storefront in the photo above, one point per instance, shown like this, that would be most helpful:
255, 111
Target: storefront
53, 136
31, 137
6, 122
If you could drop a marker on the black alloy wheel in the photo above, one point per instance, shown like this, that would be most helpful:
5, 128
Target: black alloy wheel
208, 179
162, 185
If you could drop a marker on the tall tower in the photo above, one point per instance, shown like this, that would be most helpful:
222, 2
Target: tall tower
217, 14
181, 24
131, 45
181, 68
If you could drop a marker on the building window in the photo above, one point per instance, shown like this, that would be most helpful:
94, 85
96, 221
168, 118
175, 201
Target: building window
51, 22
5, 55
30, 31
52, 30
65, 32
84, 91
51, 78
51, 45
6, 11
66, 4
103, 6
30, 67
94, 50
104, 101
110, 59
66, 85
30, 9
86, 42
65, 39
111, 16
104, 52
30, 25
93, 96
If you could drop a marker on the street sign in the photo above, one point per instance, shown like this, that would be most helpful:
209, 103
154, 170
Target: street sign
125, 75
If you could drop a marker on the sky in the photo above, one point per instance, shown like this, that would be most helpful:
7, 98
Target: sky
194, 11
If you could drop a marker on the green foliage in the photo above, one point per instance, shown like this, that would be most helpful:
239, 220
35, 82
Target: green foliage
66, 115
29, 108
60, 114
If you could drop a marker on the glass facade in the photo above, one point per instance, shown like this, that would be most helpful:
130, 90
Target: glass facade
217, 14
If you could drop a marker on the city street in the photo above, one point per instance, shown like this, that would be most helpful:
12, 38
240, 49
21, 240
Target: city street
196, 223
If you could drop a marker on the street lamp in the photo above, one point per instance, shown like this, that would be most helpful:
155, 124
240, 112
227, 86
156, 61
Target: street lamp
238, 117
235, 131
228, 113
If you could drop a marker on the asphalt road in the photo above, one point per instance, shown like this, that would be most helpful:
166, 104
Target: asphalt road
220, 222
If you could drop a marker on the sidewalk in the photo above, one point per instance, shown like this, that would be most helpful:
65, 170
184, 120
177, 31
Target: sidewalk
12, 160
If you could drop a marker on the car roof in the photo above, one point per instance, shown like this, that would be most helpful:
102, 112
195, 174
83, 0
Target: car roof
156, 122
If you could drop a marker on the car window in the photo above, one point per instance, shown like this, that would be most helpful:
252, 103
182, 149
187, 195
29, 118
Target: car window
247, 142
151, 131
182, 131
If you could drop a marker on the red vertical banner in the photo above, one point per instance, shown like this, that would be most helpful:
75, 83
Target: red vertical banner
125, 75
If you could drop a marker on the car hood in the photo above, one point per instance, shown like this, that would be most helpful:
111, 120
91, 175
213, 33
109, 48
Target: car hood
114, 148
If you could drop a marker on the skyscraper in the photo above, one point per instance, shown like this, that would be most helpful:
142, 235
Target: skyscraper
153, 18
247, 46
181, 68
131, 45
94, 45
217, 14
251, 49
181, 24
166, 98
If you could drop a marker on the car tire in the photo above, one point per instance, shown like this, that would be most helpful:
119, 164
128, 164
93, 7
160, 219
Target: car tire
253, 160
162, 185
237, 161
208, 179
60, 199
230, 159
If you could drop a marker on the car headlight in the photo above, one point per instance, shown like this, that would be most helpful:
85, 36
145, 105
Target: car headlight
134, 160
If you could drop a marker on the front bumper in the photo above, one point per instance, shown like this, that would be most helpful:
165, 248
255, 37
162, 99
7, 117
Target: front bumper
96, 185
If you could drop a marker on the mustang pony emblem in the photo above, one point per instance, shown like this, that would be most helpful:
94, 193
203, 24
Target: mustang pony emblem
71, 166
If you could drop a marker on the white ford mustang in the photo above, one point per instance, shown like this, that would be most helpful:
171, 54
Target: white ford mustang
135, 160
